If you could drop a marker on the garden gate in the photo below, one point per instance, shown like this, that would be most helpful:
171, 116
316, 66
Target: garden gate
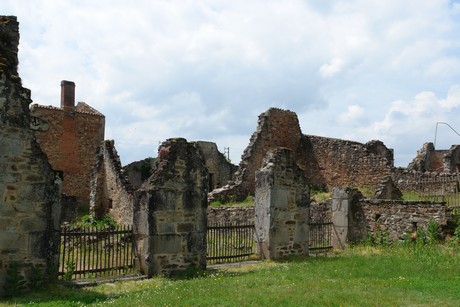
320, 237
93, 252
230, 242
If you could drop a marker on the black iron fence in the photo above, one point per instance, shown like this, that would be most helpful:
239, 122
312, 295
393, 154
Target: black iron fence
320, 237
440, 189
230, 242
93, 252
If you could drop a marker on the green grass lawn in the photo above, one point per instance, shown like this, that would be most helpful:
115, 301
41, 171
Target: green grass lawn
360, 276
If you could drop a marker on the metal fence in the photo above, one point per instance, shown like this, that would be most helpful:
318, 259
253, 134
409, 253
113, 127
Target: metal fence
320, 237
93, 252
440, 189
230, 242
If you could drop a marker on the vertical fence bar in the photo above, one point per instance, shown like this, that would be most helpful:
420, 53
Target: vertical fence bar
62, 250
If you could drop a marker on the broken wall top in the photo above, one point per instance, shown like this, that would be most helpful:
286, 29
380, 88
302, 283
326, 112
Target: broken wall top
14, 99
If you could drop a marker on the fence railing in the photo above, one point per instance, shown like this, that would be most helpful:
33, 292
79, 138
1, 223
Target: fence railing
445, 189
230, 242
92, 252
320, 237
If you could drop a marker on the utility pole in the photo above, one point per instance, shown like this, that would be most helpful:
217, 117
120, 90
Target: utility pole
436, 131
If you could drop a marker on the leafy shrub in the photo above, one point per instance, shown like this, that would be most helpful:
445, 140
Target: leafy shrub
433, 232
14, 282
36, 277
69, 270
90, 220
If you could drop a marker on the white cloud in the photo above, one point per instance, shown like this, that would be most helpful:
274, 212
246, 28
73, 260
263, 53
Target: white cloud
353, 114
332, 68
206, 69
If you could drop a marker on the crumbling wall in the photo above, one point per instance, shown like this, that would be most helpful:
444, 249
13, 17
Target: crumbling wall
335, 162
170, 211
327, 162
71, 141
428, 159
139, 171
357, 218
29, 189
320, 211
395, 217
275, 128
282, 207
220, 169
111, 193
225, 214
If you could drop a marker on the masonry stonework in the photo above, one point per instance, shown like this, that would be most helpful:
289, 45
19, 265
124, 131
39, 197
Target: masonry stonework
170, 211
223, 214
30, 192
71, 141
220, 169
111, 193
428, 159
356, 218
326, 162
282, 207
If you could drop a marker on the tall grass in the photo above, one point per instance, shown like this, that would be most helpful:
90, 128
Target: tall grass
427, 275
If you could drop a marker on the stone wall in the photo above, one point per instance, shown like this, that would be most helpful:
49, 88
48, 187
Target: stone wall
320, 211
111, 193
327, 162
225, 214
428, 159
30, 192
395, 217
170, 211
275, 128
356, 218
220, 169
139, 171
71, 141
282, 205
334, 162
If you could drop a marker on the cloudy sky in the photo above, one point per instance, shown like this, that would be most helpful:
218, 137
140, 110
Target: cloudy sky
204, 70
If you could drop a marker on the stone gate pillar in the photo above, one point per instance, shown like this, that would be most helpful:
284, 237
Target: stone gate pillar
169, 218
282, 206
342, 202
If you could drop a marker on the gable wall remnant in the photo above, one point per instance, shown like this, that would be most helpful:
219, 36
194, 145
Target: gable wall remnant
275, 128
30, 195
139, 171
111, 193
220, 169
327, 162
70, 143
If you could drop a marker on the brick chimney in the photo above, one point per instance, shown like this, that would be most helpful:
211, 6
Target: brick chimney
67, 96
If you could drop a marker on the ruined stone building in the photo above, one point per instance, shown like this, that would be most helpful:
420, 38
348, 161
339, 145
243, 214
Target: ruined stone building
113, 186
327, 162
111, 192
220, 169
428, 159
30, 195
139, 171
75, 132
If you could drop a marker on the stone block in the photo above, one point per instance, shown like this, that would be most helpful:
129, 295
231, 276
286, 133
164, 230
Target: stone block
185, 227
166, 228
280, 198
167, 244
